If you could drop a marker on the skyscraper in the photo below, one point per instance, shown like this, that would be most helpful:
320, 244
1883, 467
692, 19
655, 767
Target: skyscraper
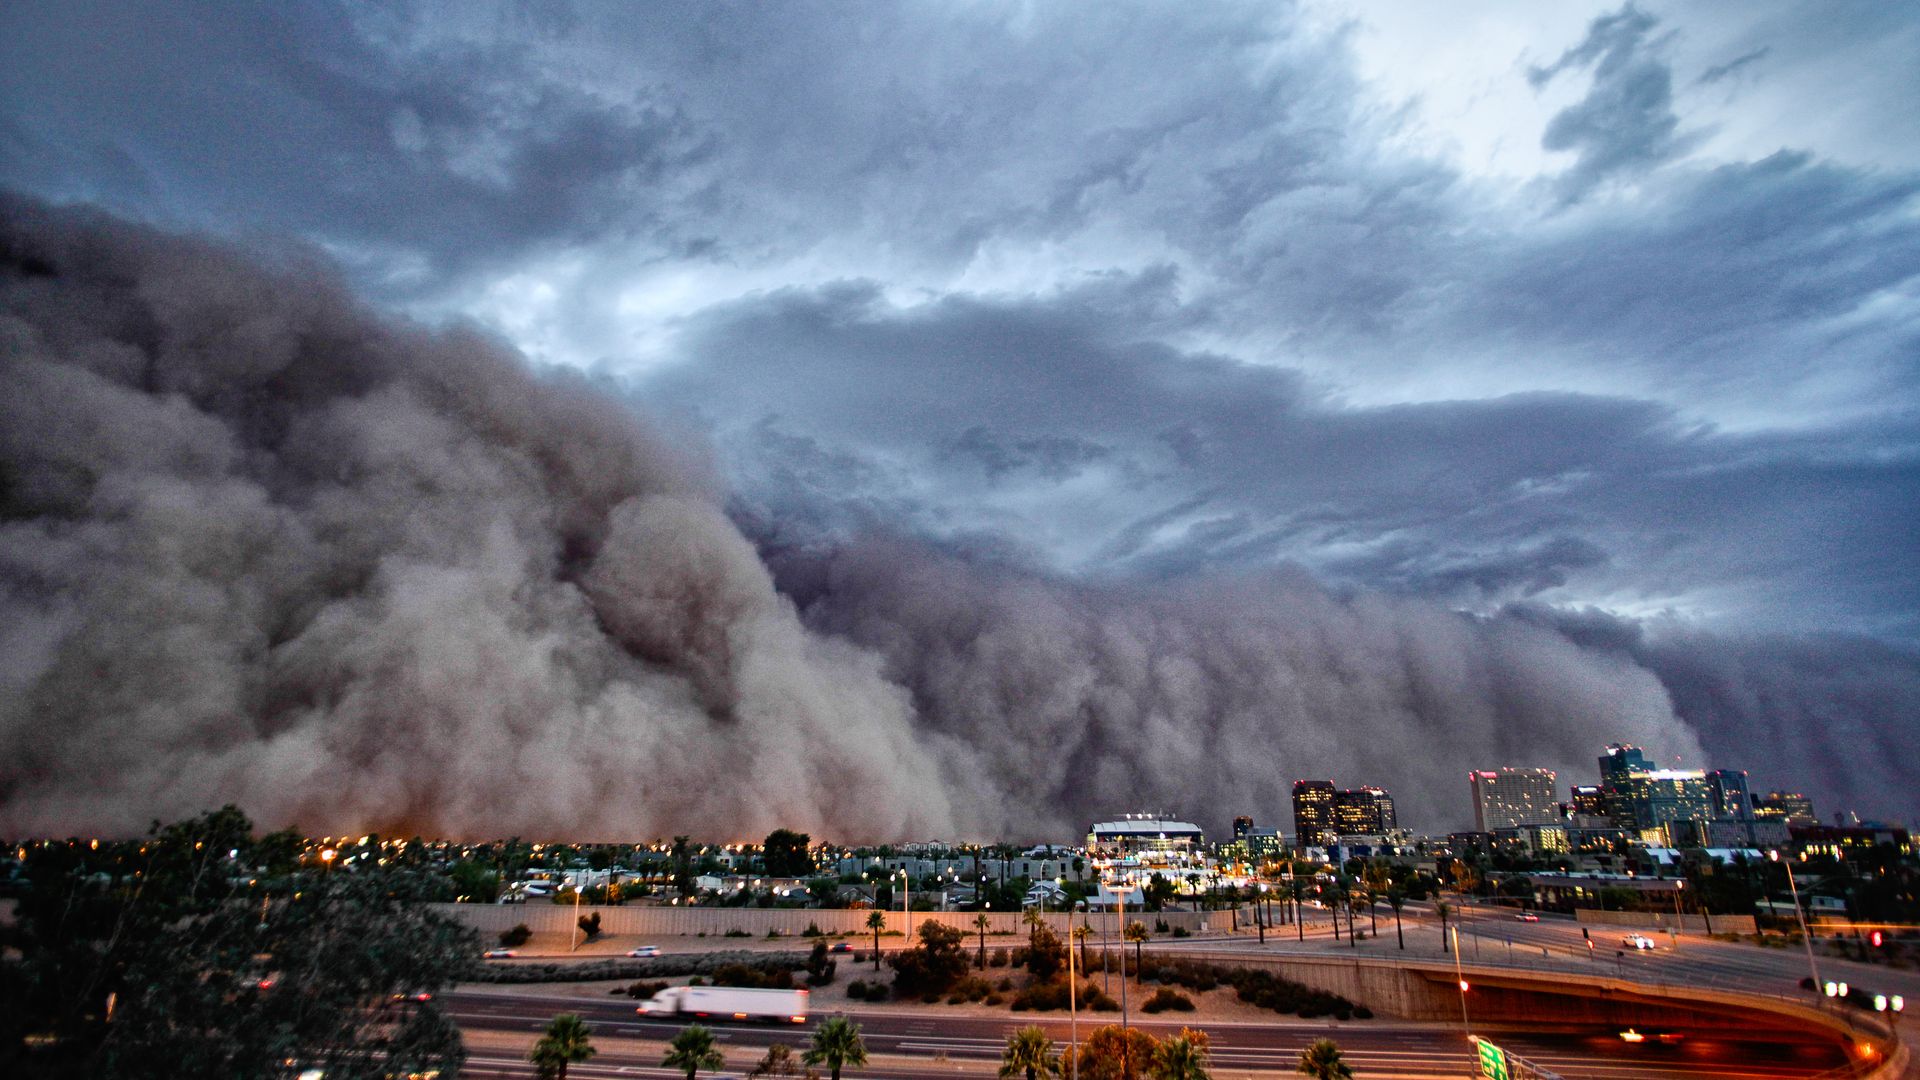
1504, 798
1366, 811
1312, 812
1588, 801
1728, 787
1242, 825
1794, 808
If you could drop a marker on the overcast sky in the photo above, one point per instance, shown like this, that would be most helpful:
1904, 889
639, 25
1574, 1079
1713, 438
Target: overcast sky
1572, 305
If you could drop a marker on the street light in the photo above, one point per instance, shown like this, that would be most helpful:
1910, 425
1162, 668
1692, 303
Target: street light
1806, 938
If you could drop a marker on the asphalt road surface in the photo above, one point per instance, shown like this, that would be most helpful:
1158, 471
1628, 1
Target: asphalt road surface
923, 1045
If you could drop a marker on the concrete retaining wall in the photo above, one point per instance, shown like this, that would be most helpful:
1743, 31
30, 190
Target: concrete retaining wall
648, 921
1663, 920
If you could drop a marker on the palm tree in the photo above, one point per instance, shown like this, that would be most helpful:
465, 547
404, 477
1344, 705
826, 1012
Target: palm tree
1397, 899
1441, 908
836, 1042
1322, 1062
1081, 933
1180, 1058
876, 922
1028, 1051
692, 1050
982, 922
1034, 920
566, 1041
1135, 932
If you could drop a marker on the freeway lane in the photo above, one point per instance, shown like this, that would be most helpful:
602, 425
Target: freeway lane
927, 1044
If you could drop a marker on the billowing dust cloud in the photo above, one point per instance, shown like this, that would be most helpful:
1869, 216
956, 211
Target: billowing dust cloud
261, 545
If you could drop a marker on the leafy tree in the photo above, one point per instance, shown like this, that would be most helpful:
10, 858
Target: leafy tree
211, 969
692, 1050
565, 1042
1112, 1053
932, 966
1159, 892
1029, 1052
1046, 956
876, 922
590, 925
1182, 1057
836, 1043
1322, 1061
1034, 920
474, 883
682, 862
784, 853
1135, 932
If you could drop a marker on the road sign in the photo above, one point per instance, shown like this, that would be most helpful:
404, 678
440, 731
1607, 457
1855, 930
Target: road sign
1493, 1061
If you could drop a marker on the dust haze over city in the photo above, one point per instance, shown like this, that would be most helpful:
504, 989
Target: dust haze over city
947, 421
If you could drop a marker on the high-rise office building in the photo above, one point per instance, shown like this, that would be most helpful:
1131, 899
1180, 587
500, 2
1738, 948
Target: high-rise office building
1644, 799
1588, 802
1791, 807
1728, 788
1242, 825
1312, 812
1366, 811
1504, 798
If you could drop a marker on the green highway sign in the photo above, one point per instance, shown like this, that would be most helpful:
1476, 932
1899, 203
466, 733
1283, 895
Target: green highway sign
1493, 1061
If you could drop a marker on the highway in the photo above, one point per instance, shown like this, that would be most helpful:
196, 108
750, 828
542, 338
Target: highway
923, 1044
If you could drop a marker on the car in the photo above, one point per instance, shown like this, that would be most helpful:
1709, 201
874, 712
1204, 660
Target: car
417, 995
1527, 916
645, 950
500, 954
840, 946
1637, 941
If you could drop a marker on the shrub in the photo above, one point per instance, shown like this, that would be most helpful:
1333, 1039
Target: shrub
1181, 931
516, 936
993, 999
812, 930
770, 977
1361, 1012
1004, 984
736, 932
1159, 926
857, 989
997, 958
643, 989
773, 933
1167, 998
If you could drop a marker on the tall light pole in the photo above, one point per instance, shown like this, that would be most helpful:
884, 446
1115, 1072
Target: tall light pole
906, 911
1464, 1026
1073, 989
574, 942
1806, 938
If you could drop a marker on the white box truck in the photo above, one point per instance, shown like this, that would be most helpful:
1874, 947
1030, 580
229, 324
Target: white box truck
728, 1003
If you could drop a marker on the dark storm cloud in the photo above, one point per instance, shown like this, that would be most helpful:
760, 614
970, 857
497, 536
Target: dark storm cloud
1469, 501
303, 118
1626, 122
